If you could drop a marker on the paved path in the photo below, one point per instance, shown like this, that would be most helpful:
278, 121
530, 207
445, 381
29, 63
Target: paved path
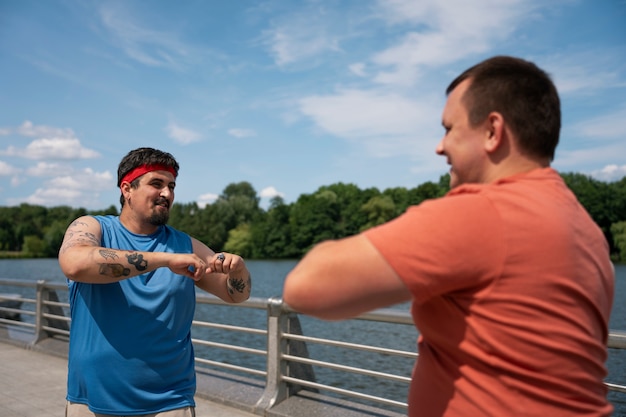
32, 384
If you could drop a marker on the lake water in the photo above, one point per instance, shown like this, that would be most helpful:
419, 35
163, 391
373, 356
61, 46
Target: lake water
268, 277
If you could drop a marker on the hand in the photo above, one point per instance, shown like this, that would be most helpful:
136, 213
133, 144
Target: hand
226, 263
189, 265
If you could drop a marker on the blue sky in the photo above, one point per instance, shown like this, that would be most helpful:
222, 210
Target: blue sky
287, 95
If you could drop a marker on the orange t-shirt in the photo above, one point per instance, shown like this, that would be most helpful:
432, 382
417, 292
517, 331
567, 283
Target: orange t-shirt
512, 290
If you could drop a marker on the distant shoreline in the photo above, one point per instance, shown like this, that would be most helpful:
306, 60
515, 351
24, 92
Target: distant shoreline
16, 255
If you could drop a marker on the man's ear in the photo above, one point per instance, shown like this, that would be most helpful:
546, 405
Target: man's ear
125, 188
494, 133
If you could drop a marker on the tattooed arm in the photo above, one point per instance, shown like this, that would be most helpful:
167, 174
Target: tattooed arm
228, 279
83, 259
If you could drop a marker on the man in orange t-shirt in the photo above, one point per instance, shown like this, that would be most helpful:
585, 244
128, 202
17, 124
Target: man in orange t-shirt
510, 278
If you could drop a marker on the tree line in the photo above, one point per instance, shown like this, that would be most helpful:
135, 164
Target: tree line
236, 223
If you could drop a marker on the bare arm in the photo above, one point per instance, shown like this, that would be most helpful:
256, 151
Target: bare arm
229, 279
341, 279
83, 259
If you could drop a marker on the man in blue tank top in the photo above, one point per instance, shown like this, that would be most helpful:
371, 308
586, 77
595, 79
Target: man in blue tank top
132, 284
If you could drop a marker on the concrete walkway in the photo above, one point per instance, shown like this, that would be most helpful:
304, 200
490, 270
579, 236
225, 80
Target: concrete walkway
32, 384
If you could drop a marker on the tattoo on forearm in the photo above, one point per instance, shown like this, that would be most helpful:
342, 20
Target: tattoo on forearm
114, 270
137, 260
108, 254
237, 284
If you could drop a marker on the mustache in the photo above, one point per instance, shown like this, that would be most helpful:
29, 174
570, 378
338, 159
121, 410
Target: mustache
162, 201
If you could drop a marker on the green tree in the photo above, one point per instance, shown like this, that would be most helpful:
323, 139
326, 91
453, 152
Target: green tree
34, 246
618, 230
53, 238
379, 209
597, 198
270, 233
239, 241
312, 219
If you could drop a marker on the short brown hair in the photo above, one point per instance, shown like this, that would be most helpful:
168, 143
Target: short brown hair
525, 96
144, 156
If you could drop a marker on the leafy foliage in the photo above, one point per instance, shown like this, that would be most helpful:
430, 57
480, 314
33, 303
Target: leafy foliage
236, 223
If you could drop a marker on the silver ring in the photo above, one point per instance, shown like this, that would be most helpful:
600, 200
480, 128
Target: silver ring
221, 257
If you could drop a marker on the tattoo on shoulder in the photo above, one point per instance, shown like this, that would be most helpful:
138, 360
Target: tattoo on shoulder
137, 260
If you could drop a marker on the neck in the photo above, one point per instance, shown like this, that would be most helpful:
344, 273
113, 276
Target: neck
130, 221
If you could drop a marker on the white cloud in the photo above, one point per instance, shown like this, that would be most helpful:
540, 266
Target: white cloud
52, 148
205, 199
7, 169
182, 135
358, 69
270, 192
28, 129
80, 189
85, 180
610, 173
451, 30
45, 169
241, 133
386, 123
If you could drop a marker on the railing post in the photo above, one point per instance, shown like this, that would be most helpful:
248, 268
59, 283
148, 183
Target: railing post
39, 334
275, 388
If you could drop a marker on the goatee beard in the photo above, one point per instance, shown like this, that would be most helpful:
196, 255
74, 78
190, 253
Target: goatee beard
159, 219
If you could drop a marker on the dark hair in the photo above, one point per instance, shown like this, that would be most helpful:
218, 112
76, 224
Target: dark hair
525, 96
143, 156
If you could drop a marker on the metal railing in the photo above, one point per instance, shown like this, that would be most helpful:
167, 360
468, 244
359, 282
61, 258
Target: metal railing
281, 355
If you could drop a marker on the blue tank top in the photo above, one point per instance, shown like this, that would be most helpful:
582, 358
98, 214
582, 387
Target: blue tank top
130, 348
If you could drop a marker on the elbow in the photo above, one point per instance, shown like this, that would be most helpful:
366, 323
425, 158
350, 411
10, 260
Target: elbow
301, 299
71, 271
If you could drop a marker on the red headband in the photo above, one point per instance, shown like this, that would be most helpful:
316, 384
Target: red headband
143, 169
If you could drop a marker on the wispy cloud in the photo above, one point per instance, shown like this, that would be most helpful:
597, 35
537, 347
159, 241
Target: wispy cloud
28, 129
608, 126
584, 72
181, 134
386, 123
7, 170
241, 133
145, 45
444, 27
302, 36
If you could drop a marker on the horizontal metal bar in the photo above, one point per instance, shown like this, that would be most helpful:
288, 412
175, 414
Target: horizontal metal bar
56, 303
346, 368
229, 327
347, 345
615, 387
55, 330
345, 392
229, 347
231, 367
56, 317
